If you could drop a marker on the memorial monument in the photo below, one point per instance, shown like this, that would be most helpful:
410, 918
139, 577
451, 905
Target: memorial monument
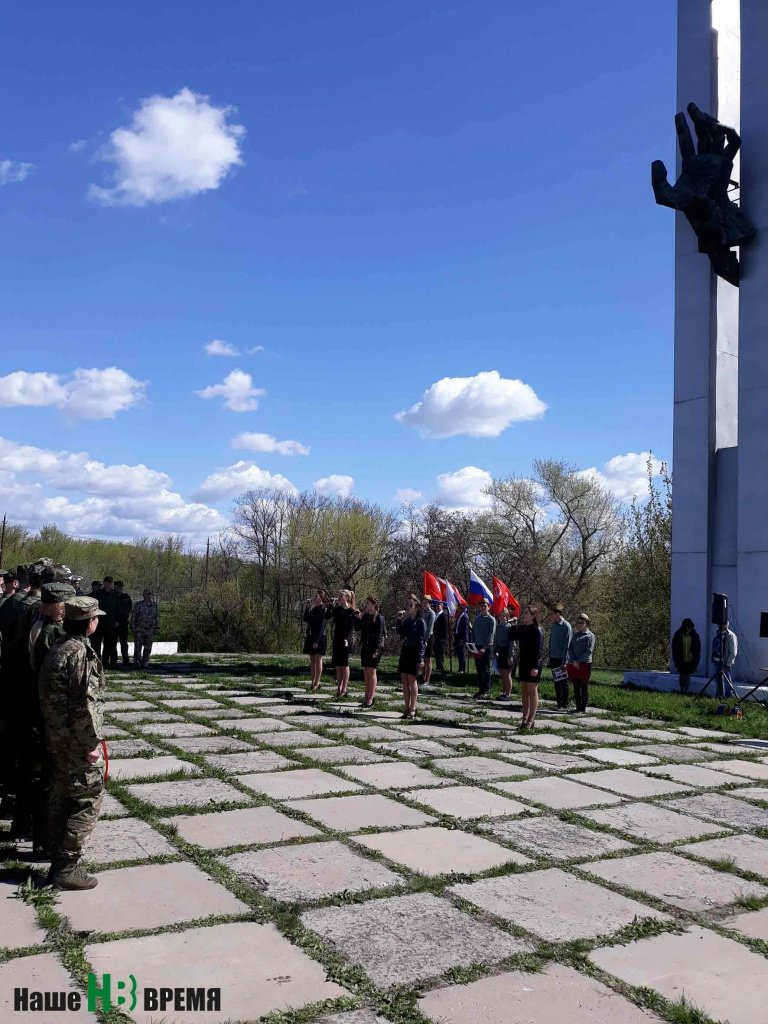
720, 430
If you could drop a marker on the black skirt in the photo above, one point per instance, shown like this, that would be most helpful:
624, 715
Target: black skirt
430, 647
502, 657
340, 654
370, 659
409, 661
322, 646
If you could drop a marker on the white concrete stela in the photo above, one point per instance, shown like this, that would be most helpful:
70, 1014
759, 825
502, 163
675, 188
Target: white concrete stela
720, 437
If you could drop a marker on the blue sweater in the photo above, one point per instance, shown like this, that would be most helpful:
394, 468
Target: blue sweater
581, 647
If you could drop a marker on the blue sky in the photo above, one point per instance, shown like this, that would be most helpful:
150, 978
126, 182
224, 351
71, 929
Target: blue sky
378, 196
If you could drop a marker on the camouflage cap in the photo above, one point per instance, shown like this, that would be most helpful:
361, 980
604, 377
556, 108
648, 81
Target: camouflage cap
54, 593
79, 608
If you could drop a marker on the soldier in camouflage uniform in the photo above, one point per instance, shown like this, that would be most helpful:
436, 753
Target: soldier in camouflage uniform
145, 621
71, 692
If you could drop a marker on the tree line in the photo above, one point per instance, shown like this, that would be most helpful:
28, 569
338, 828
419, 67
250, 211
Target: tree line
557, 534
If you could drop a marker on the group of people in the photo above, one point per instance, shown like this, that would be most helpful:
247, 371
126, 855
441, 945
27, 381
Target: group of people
686, 655
511, 645
120, 616
51, 688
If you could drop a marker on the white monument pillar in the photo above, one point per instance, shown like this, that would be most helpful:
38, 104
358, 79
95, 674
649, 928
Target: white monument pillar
751, 597
720, 432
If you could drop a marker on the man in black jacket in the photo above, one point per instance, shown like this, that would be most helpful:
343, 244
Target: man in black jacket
124, 609
440, 635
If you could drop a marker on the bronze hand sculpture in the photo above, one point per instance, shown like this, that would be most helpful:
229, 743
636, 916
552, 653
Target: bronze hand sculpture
701, 191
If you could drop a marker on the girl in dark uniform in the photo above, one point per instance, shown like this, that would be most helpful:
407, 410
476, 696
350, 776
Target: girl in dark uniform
530, 638
371, 626
413, 629
315, 641
343, 614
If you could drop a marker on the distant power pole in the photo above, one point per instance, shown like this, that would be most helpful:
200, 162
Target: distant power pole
207, 561
2, 539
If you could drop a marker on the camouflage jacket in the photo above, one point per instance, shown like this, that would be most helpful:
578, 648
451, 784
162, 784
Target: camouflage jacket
42, 636
71, 687
145, 617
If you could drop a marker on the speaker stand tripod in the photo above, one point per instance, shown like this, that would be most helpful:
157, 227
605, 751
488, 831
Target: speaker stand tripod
756, 700
722, 680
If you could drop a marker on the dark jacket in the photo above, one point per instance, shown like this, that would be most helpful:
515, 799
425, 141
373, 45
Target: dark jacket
343, 622
531, 641
109, 602
462, 628
677, 651
440, 631
413, 633
315, 620
371, 631
124, 608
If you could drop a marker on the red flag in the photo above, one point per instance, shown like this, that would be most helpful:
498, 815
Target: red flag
502, 598
432, 587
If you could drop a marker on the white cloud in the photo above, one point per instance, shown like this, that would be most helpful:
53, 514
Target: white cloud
77, 147
336, 483
237, 390
481, 406
268, 444
175, 146
86, 497
464, 488
87, 394
14, 171
242, 476
626, 475
221, 348
406, 495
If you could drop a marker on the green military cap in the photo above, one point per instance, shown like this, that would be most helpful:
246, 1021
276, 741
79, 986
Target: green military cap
82, 608
53, 593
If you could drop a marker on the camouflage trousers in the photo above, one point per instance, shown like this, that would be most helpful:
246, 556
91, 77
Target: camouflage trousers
74, 802
142, 645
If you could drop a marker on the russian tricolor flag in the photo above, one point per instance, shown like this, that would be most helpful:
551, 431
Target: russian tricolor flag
451, 596
477, 590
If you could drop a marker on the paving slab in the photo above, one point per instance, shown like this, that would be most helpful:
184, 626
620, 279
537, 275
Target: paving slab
372, 733
691, 775
716, 748
112, 732
250, 761
744, 769
191, 793
137, 717
210, 744
549, 761
235, 715
352, 1017
670, 752
549, 997
597, 736
427, 731
440, 851
297, 784
480, 769
555, 905
112, 808
126, 769
309, 871
652, 822
128, 748
124, 840
395, 775
172, 730
40, 972
340, 754
657, 735
726, 810
250, 826
547, 836
624, 757
252, 699
546, 741
132, 704
747, 852
700, 965
467, 802
629, 783
403, 940
18, 922
753, 924
192, 703
690, 730
486, 744
258, 971
560, 794
415, 749
148, 896
752, 793
352, 813
674, 880
294, 738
